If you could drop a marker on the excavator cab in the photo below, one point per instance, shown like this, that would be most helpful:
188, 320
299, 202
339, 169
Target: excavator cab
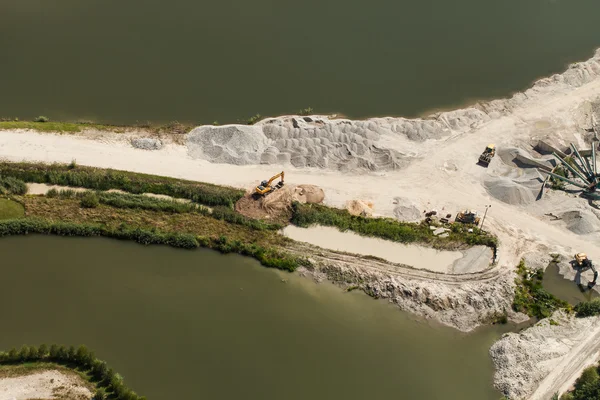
266, 187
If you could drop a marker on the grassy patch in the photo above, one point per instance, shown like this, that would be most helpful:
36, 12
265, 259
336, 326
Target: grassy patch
47, 125
11, 209
531, 298
305, 215
66, 217
105, 179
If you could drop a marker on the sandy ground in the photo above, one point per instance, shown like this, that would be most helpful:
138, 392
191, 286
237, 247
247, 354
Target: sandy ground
423, 163
44, 385
416, 256
547, 358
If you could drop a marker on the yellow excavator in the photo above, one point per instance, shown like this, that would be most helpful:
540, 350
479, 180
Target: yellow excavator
583, 262
266, 187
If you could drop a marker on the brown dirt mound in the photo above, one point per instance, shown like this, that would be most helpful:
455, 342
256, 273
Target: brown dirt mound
308, 194
360, 207
277, 205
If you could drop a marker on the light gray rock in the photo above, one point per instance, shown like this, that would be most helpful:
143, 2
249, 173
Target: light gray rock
147, 143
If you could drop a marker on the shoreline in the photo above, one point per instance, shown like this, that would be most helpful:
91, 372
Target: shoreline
401, 165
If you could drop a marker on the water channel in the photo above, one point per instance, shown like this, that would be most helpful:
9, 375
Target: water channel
201, 61
196, 324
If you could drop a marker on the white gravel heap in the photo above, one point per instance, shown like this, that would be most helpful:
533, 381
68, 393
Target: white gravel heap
229, 144
147, 143
508, 191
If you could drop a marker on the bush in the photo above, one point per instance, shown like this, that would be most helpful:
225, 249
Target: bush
10, 185
254, 119
89, 200
41, 118
306, 111
588, 308
531, 298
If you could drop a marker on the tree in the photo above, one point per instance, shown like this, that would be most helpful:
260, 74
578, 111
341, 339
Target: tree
54, 351
71, 353
63, 354
42, 351
83, 356
33, 353
100, 370
24, 353
13, 355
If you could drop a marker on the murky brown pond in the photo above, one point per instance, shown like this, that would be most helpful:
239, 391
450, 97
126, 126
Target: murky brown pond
196, 324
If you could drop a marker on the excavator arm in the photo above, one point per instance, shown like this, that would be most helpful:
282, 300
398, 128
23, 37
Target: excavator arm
265, 187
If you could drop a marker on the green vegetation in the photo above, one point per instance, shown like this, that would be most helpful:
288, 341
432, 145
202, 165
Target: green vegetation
268, 257
304, 215
43, 124
89, 199
588, 308
142, 202
253, 119
531, 298
306, 111
101, 179
26, 226
10, 185
587, 386
10, 209
151, 220
109, 384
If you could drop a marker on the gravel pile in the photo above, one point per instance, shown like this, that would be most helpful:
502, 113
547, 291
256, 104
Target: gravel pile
229, 144
581, 222
508, 191
147, 143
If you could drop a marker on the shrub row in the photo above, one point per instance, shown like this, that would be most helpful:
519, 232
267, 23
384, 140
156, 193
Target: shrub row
11, 185
26, 226
531, 298
141, 202
100, 179
304, 215
107, 381
268, 257
588, 308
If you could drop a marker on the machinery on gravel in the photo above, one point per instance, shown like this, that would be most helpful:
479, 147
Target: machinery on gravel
267, 187
467, 217
584, 263
486, 157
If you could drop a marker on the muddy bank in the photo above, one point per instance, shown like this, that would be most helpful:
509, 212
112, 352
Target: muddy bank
463, 301
472, 260
546, 358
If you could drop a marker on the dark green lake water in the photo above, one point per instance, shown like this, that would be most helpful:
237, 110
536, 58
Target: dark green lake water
200, 61
196, 324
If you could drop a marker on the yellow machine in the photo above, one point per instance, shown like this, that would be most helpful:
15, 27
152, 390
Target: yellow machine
266, 187
583, 262
486, 157
468, 217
